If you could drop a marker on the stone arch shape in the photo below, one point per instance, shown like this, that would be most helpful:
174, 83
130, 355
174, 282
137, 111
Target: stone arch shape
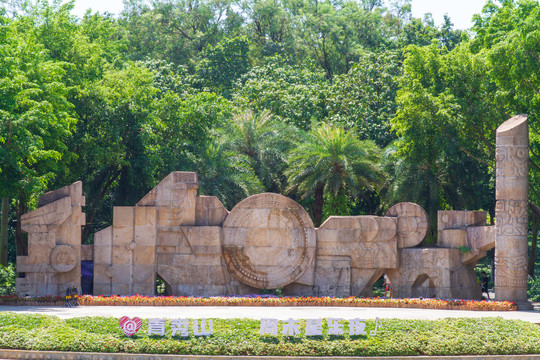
423, 286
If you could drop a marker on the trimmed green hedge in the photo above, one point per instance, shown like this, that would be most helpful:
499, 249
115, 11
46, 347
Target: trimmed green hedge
241, 337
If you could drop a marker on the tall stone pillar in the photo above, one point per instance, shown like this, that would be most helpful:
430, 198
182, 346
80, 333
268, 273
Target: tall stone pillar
512, 181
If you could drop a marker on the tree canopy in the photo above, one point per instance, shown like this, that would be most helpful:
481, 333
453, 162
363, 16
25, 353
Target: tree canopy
347, 106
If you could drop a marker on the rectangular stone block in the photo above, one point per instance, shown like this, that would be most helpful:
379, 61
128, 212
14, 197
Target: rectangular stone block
460, 219
166, 249
103, 237
121, 274
146, 289
171, 216
144, 274
144, 255
102, 288
102, 254
452, 238
204, 240
100, 273
122, 235
210, 211
145, 235
332, 276
163, 258
481, 237
145, 215
123, 215
42, 239
120, 289
121, 255
37, 268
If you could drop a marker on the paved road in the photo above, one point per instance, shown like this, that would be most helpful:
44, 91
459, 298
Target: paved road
281, 313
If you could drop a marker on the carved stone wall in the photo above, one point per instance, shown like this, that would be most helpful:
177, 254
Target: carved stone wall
512, 156
54, 243
267, 241
171, 233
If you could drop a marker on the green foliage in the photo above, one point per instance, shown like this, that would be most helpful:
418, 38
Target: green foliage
533, 289
265, 141
364, 99
224, 174
7, 279
293, 93
329, 161
35, 116
223, 64
240, 337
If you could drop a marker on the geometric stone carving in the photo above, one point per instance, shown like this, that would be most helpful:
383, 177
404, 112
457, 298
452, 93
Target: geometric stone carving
512, 157
63, 258
269, 241
412, 223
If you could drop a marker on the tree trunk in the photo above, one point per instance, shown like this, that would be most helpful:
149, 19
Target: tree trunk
4, 233
318, 204
21, 241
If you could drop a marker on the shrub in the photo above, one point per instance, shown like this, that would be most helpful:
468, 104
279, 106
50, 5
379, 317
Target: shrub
7, 279
533, 289
239, 337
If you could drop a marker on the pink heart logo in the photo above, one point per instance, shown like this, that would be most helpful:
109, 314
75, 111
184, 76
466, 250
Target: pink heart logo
130, 326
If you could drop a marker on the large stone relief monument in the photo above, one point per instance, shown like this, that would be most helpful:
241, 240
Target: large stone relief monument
268, 241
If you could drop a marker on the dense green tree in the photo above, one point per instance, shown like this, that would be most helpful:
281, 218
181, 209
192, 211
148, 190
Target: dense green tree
224, 174
446, 124
293, 93
114, 140
223, 64
185, 123
364, 98
35, 119
330, 162
265, 141
178, 30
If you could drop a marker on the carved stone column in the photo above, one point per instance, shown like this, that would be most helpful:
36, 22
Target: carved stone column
511, 220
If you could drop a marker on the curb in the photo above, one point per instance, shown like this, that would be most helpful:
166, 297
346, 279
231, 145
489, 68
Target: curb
58, 355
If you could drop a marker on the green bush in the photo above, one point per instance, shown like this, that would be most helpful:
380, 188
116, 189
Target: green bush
237, 337
533, 289
7, 279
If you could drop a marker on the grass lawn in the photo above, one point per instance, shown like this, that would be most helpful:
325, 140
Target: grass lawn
241, 337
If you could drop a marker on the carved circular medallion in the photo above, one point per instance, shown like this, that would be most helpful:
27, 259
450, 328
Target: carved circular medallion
412, 223
63, 258
269, 241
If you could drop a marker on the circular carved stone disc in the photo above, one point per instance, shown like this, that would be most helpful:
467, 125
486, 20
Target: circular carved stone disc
63, 258
269, 241
412, 224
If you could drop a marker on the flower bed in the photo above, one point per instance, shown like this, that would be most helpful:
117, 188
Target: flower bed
254, 300
262, 300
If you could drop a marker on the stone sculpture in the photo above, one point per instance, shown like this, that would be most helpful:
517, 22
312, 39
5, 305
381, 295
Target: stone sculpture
54, 243
512, 185
267, 241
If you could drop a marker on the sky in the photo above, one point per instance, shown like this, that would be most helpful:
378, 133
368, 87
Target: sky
460, 11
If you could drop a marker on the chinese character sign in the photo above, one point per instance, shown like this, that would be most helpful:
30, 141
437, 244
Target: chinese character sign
290, 327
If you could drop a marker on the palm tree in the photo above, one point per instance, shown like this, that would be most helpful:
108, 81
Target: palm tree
265, 141
331, 163
224, 174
